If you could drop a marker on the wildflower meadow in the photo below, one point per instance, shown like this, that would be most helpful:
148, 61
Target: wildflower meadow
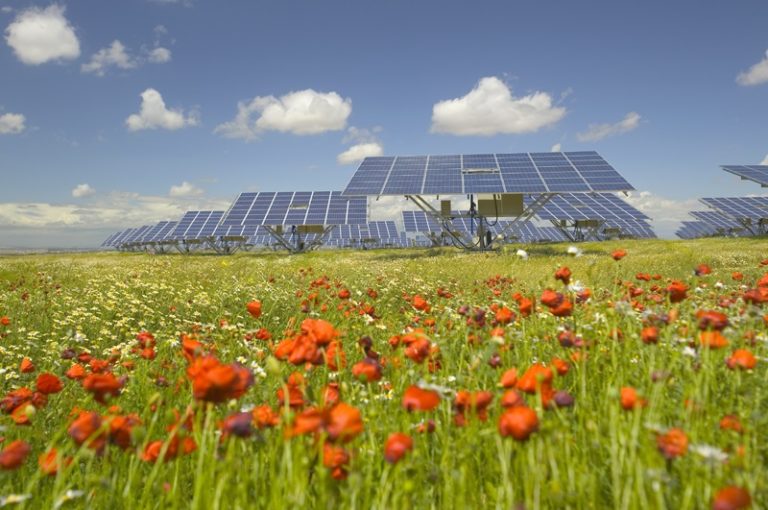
624, 374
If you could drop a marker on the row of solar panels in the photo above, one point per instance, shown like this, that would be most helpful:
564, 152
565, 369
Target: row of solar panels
732, 216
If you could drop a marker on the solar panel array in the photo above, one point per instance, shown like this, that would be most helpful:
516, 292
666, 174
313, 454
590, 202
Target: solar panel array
528, 232
756, 173
196, 225
542, 172
717, 220
251, 210
157, 233
740, 208
695, 229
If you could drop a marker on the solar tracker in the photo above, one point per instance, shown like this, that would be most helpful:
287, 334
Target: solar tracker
320, 208
110, 241
120, 239
583, 206
637, 229
196, 225
545, 172
740, 208
157, 233
695, 229
527, 231
756, 173
136, 235
717, 220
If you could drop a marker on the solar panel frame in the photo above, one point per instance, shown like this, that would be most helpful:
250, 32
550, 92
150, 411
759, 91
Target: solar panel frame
740, 208
755, 173
485, 173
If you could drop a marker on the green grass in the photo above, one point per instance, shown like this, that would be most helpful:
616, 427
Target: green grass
593, 455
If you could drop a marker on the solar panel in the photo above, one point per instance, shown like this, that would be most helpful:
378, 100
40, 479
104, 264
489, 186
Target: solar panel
196, 225
136, 235
109, 241
583, 206
637, 229
740, 208
756, 173
695, 229
717, 220
322, 208
120, 239
157, 233
485, 173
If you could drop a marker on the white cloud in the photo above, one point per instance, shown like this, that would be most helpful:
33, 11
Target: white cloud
41, 35
597, 132
765, 161
160, 55
87, 225
83, 190
755, 75
556, 148
6, 9
11, 123
491, 109
359, 152
185, 189
665, 213
154, 114
114, 55
305, 112
362, 135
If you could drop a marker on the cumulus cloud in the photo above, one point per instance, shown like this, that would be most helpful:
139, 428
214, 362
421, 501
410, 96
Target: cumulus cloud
557, 148
113, 55
160, 55
755, 75
597, 132
83, 226
491, 109
11, 123
359, 152
39, 35
83, 190
185, 189
665, 213
305, 112
154, 114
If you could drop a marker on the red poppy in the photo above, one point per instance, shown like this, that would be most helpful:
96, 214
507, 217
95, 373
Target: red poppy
121, 429
344, 423
512, 398
254, 308
335, 356
14, 455
50, 463
344, 294
509, 378
731, 498
731, 422
712, 339
519, 422
102, 386
741, 359
561, 366
397, 445
677, 291
504, 315
264, 416
5, 321
564, 275
673, 443
336, 459
619, 254
85, 427
190, 348
702, 269
535, 377
76, 371
368, 370
48, 384
465, 401
650, 335
213, 381
630, 399
711, 320
417, 399
319, 331
26, 366
420, 303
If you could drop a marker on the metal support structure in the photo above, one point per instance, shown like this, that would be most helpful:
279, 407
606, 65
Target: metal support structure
445, 224
298, 246
528, 213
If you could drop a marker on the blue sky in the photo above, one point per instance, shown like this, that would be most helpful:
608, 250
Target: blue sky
650, 85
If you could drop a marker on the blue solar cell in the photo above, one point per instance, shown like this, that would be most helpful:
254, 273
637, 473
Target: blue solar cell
756, 173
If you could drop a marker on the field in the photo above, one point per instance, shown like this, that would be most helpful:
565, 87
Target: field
275, 381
